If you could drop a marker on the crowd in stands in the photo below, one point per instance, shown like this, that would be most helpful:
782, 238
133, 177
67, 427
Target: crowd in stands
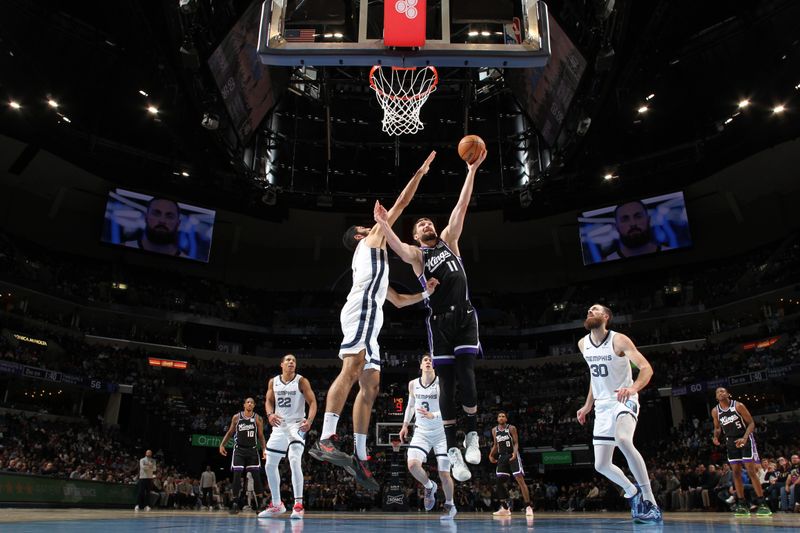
697, 286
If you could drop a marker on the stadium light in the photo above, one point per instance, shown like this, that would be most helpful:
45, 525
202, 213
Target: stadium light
13, 104
778, 109
153, 110
642, 110
744, 103
609, 176
143, 93
52, 103
650, 96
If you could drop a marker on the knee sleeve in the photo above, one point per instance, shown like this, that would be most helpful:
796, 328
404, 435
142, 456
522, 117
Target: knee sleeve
447, 382
465, 370
296, 467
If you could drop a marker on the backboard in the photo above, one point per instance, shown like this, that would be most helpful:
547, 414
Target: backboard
457, 33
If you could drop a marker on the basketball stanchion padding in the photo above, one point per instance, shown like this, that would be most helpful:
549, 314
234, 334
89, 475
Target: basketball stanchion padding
404, 23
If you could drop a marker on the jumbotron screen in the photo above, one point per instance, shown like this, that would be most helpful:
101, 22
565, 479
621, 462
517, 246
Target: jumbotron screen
158, 225
639, 227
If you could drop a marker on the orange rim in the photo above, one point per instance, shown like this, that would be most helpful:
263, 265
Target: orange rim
394, 96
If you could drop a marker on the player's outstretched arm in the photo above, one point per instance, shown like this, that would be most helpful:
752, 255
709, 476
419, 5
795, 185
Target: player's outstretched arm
455, 225
623, 345
409, 191
261, 439
269, 407
404, 300
410, 254
515, 440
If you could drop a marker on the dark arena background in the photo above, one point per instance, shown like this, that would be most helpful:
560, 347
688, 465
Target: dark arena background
176, 177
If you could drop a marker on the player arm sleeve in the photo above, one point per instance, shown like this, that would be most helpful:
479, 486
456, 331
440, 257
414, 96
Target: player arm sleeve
409, 414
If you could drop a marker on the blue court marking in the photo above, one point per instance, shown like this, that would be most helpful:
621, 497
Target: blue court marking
517, 524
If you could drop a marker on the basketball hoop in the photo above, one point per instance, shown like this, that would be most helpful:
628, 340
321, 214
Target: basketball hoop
401, 92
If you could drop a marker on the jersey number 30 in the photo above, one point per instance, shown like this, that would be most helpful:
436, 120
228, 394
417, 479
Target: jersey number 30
599, 371
284, 402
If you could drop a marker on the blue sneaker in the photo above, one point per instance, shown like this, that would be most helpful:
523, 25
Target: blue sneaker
650, 514
636, 502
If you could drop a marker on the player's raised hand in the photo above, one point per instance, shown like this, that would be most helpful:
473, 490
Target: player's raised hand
582, 412
380, 213
403, 433
475, 164
431, 285
427, 164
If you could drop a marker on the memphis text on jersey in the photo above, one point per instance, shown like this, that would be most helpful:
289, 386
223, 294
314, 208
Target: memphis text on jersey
597, 357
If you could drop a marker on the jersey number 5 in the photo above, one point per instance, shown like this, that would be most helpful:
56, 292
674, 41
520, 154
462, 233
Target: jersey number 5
599, 371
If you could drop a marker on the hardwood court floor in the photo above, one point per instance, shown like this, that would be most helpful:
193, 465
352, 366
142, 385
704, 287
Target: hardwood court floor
123, 521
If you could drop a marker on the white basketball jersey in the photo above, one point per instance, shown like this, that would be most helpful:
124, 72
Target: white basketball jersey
427, 397
370, 277
609, 371
290, 404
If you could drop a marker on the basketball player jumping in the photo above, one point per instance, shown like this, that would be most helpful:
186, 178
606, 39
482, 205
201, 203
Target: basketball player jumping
423, 402
361, 320
732, 419
285, 403
505, 453
452, 321
245, 426
615, 396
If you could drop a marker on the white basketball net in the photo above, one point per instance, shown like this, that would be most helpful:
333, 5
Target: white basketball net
401, 93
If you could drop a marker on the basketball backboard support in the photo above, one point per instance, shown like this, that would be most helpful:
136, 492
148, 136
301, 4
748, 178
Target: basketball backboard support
348, 36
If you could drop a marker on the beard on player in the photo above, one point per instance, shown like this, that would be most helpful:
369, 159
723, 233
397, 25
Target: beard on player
428, 237
593, 322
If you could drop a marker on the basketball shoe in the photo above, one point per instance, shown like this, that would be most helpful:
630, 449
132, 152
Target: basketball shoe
298, 511
472, 451
272, 510
458, 468
449, 512
328, 450
430, 496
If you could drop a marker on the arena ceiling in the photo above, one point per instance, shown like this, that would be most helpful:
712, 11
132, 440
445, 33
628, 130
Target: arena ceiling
105, 63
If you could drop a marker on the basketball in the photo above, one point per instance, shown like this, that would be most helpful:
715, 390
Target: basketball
470, 148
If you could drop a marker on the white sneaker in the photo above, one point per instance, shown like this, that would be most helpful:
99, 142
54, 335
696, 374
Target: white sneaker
272, 510
136, 508
147, 508
529, 511
458, 469
448, 512
430, 496
502, 512
473, 451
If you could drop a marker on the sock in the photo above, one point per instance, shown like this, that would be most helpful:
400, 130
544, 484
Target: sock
631, 491
329, 425
449, 502
298, 500
429, 484
471, 422
450, 435
361, 446
647, 492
